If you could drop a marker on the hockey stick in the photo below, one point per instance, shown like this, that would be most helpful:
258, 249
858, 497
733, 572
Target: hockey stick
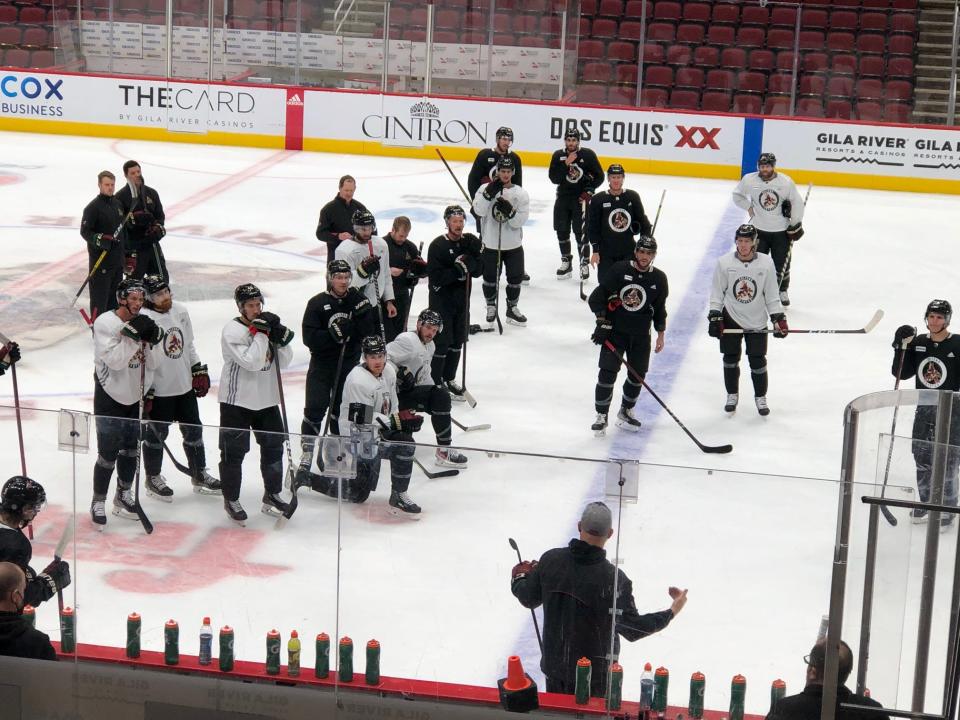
292, 505
449, 170
470, 428
141, 515
58, 555
438, 474
6, 342
877, 316
786, 260
536, 625
467, 395
376, 290
656, 219
103, 254
584, 246
893, 429
413, 287
496, 298
719, 449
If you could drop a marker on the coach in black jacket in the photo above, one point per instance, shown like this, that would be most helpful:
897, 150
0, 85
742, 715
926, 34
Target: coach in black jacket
18, 638
575, 586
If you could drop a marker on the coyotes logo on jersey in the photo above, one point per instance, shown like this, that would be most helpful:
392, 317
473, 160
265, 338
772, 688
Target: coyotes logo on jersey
620, 220
173, 344
769, 200
932, 373
744, 289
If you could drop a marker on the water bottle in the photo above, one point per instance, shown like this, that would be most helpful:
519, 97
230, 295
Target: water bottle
206, 643
646, 687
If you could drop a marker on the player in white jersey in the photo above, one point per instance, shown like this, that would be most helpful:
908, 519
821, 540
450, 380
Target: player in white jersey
370, 398
411, 355
179, 380
249, 396
371, 271
503, 208
776, 211
123, 339
744, 294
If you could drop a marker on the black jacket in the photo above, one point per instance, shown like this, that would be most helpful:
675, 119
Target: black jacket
15, 548
446, 286
575, 586
103, 216
336, 217
18, 639
806, 706
584, 175
400, 257
320, 312
148, 200
632, 299
485, 166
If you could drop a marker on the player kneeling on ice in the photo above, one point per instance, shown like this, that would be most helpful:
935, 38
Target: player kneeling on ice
744, 293
20, 502
249, 397
411, 355
179, 380
631, 295
370, 397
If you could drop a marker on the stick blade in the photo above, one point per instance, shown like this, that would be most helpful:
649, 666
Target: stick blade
144, 520
471, 400
441, 474
877, 317
474, 428
717, 449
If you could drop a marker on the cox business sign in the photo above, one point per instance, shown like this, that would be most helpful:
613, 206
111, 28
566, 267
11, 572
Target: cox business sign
31, 95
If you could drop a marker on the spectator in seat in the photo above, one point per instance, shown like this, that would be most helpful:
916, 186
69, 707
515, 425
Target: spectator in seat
18, 638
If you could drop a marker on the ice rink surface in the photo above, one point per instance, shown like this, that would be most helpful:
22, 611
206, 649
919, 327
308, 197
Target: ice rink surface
750, 533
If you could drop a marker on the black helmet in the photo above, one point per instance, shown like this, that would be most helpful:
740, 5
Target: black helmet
767, 159
127, 286
430, 317
646, 242
362, 218
506, 163
572, 133
940, 307
373, 345
247, 291
335, 267
746, 230
155, 284
615, 169
505, 132
453, 211
20, 492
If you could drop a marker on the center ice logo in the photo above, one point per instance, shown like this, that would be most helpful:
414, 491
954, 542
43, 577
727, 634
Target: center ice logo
745, 289
769, 199
619, 220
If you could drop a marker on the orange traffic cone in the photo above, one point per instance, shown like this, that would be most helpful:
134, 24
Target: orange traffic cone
518, 691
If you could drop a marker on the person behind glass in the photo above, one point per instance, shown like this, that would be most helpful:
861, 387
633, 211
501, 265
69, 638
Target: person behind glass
575, 585
407, 267
806, 705
18, 637
336, 217
144, 225
933, 358
102, 217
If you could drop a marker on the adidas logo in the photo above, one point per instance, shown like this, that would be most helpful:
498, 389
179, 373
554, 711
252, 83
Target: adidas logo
295, 100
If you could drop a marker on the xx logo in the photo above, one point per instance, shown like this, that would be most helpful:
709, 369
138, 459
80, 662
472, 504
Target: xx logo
706, 137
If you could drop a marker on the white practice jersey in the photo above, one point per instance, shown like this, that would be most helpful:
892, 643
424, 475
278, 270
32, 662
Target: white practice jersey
248, 378
353, 252
508, 234
118, 359
380, 393
174, 375
749, 291
766, 198
408, 351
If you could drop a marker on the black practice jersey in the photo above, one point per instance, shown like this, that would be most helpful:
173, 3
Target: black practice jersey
15, 548
583, 175
614, 220
934, 365
446, 285
485, 168
148, 200
102, 216
401, 257
323, 309
632, 299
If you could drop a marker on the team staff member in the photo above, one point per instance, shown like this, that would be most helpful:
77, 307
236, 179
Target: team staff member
102, 217
407, 267
18, 637
144, 229
336, 217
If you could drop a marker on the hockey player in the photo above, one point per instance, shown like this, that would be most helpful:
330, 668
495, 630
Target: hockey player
776, 211
614, 217
631, 296
503, 208
484, 168
121, 339
101, 218
407, 267
933, 358
249, 397
744, 293
144, 226
20, 502
180, 378
452, 260
370, 397
9, 354
336, 217
576, 172
371, 272
411, 355
333, 323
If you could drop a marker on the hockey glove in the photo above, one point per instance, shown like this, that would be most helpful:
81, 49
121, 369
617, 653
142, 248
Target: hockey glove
585, 196
786, 208
491, 189
613, 302
368, 266
141, 219
904, 333
129, 264
505, 208
9, 354
405, 380
460, 264
143, 329
156, 232
56, 575
201, 380
341, 328
148, 403
259, 325
715, 326
795, 232
103, 241
780, 328
602, 332
406, 421
418, 268
522, 569
281, 335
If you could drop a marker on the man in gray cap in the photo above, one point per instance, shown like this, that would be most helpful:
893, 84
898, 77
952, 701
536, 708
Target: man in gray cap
575, 585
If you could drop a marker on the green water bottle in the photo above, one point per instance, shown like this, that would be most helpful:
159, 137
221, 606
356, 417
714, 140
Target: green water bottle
582, 689
698, 683
133, 635
616, 687
373, 663
661, 681
226, 648
738, 694
323, 656
345, 668
171, 643
68, 631
777, 690
273, 653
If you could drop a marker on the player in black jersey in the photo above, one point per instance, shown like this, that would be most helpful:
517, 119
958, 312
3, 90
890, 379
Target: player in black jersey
406, 268
484, 167
576, 172
452, 260
614, 218
933, 359
333, 322
631, 296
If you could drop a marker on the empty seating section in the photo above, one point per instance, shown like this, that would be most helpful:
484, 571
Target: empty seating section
27, 35
856, 57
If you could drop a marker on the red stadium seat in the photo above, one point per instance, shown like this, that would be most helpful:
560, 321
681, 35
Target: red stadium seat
696, 12
780, 39
813, 62
761, 60
527, 24
653, 97
661, 32
625, 74
726, 13
588, 7
610, 9
598, 72
840, 42
843, 64
706, 56
734, 58
747, 104
688, 77
622, 51
776, 105
783, 17
604, 29
869, 89
812, 40
847, 3
713, 101
903, 23
595, 94
550, 25
785, 61
718, 79
32, 15
623, 95
839, 109
896, 112
904, 4
780, 83
872, 66
591, 50
684, 99
502, 22
898, 91
418, 19
876, 4
900, 68
900, 45
812, 85
813, 19
42, 59
873, 22
16, 57
679, 55
668, 10
447, 20
720, 35
653, 53
810, 107
755, 15
634, 9
870, 43
869, 111
750, 37
8, 14
658, 76
843, 20
631, 30
583, 27
411, 34
10, 35
690, 33
751, 82
840, 86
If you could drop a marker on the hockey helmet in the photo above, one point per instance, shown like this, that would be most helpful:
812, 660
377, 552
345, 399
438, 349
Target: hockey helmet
506, 163
572, 134
335, 267
155, 284
453, 211
767, 158
505, 132
430, 317
940, 307
20, 492
373, 345
746, 230
615, 169
362, 218
127, 286
646, 242
247, 291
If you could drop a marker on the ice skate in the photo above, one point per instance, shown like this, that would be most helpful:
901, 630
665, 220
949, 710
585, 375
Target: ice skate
731, 404
448, 457
627, 421
762, 407
491, 315
156, 486
515, 317
526, 279
599, 426
235, 511
918, 516
456, 392
402, 506
98, 514
206, 484
273, 505
566, 268
123, 504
